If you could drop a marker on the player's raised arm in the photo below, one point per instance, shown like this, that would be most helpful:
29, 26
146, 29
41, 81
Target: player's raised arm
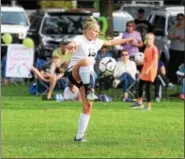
117, 42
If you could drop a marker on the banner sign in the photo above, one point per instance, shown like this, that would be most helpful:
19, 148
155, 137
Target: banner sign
19, 61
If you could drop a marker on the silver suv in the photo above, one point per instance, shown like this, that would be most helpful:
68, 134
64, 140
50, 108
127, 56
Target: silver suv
162, 20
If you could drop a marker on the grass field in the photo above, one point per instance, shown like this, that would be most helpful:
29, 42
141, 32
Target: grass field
32, 128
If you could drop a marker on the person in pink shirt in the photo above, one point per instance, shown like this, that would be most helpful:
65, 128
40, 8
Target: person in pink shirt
136, 43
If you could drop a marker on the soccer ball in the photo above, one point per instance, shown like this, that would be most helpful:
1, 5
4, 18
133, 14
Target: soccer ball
139, 58
107, 66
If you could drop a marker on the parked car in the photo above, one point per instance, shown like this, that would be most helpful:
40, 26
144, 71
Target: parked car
14, 21
48, 28
162, 20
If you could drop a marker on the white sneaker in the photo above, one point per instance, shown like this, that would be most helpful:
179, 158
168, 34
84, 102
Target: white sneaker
115, 83
179, 73
137, 105
147, 109
80, 140
171, 85
91, 96
157, 99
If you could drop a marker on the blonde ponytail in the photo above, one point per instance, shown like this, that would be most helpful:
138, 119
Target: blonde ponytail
90, 23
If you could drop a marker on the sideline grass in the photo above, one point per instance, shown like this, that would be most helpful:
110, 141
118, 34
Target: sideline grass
32, 128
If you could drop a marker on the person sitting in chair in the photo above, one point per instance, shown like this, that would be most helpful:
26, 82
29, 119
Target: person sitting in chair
104, 81
161, 81
45, 75
60, 55
181, 78
125, 74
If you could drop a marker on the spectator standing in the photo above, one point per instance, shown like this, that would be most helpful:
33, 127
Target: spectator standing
133, 46
142, 25
176, 35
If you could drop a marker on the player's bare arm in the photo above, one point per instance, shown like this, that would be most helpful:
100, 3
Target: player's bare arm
116, 42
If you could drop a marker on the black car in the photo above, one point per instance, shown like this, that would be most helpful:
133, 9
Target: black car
48, 28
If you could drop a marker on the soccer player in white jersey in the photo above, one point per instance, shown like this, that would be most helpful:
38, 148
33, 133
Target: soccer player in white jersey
81, 68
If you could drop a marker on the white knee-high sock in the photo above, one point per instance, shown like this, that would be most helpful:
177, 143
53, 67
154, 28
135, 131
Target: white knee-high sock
82, 125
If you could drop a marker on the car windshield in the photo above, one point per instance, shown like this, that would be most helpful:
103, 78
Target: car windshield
63, 24
14, 18
172, 21
133, 10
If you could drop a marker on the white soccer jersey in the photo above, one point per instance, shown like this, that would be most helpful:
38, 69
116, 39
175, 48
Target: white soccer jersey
85, 49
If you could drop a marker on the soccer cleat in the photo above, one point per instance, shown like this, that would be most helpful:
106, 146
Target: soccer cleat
170, 85
180, 73
137, 105
147, 109
91, 96
127, 100
115, 83
80, 140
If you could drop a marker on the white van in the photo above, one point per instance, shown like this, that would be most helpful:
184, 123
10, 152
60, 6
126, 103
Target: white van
120, 18
14, 21
162, 19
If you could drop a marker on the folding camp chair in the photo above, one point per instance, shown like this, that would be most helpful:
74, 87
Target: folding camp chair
133, 89
180, 75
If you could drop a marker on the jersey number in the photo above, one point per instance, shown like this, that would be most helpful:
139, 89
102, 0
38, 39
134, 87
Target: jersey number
91, 53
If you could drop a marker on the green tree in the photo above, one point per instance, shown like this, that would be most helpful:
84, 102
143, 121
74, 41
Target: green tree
106, 8
56, 4
96, 4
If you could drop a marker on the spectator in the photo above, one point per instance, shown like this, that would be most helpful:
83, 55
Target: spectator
44, 73
182, 92
3, 71
125, 74
148, 72
60, 55
142, 26
71, 93
105, 81
161, 81
176, 35
180, 74
104, 52
133, 46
